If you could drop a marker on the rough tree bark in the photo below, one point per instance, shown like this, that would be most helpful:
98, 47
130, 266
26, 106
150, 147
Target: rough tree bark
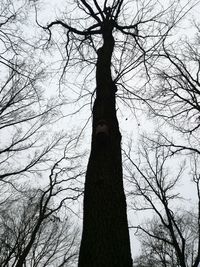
105, 239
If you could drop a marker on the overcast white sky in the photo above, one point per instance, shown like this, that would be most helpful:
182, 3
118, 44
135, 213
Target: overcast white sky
131, 125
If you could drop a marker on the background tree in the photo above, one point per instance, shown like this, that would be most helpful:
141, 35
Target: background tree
172, 97
157, 187
156, 251
35, 228
25, 113
173, 91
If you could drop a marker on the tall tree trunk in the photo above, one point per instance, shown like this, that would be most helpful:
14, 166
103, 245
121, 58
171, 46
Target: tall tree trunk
105, 239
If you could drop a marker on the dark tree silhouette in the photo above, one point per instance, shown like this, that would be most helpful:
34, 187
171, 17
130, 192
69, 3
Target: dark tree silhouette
35, 228
25, 113
32, 232
173, 98
156, 248
155, 183
105, 238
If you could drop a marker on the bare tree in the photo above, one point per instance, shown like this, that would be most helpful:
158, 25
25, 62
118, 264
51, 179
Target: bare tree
56, 241
157, 252
172, 94
155, 183
26, 113
117, 42
176, 87
118, 38
35, 228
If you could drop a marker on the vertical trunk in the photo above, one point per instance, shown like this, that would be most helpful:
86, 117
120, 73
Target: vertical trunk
105, 239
